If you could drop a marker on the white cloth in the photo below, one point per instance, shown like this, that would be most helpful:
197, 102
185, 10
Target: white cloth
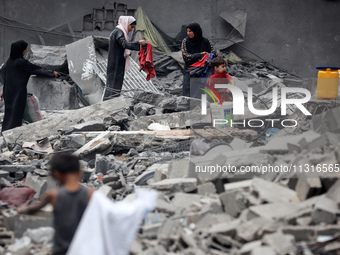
108, 228
123, 24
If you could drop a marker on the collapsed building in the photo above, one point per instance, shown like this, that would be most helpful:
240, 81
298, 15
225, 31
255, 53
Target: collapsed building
269, 189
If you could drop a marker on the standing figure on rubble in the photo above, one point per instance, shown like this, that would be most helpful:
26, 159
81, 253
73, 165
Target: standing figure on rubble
119, 53
14, 76
193, 47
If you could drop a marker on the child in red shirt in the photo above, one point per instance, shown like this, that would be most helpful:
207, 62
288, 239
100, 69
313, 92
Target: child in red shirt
219, 65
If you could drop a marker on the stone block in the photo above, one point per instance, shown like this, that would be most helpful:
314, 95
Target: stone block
53, 94
227, 228
263, 250
308, 187
273, 193
278, 241
177, 184
253, 229
179, 168
325, 211
248, 247
273, 211
16, 168
206, 188
334, 192
20, 223
234, 202
4, 174
36, 183
245, 185
50, 57
51, 125
101, 164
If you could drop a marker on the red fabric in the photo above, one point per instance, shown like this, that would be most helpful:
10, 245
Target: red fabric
201, 62
219, 78
16, 196
146, 61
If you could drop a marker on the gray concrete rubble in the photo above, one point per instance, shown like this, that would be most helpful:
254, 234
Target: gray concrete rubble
238, 190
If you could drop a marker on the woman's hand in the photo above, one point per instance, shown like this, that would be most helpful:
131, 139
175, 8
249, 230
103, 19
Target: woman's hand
143, 42
56, 74
204, 52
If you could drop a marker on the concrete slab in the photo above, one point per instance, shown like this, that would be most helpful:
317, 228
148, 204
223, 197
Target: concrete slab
177, 183
50, 126
273, 193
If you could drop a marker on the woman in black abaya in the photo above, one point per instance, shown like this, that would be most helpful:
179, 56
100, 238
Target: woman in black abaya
119, 52
193, 47
14, 76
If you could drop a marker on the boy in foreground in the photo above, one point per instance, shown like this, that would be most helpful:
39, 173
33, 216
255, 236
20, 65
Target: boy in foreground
69, 200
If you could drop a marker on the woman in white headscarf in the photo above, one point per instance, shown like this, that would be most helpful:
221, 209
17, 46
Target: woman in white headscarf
119, 52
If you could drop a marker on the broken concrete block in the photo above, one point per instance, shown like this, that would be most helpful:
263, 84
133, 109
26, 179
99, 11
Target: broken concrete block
263, 250
51, 125
4, 174
101, 144
253, 229
6, 237
234, 202
21, 247
279, 144
278, 241
179, 168
227, 228
325, 211
50, 57
245, 185
5, 160
17, 168
150, 231
101, 164
177, 183
206, 188
328, 121
142, 109
53, 94
20, 223
334, 192
272, 211
36, 183
308, 187
273, 193
248, 247
169, 232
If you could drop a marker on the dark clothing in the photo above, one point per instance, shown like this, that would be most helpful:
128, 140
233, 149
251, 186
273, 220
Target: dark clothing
116, 63
14, 76
17, 49
191, 54
68, 211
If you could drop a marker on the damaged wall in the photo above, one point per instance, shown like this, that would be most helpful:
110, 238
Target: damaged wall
293, 35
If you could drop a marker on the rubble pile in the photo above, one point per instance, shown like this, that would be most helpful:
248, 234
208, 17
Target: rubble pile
286, 202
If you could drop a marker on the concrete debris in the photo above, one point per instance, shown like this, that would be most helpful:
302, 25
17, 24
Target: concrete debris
238, 190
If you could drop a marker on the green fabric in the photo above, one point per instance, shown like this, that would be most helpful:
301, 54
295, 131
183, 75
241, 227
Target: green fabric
150, 32
27, 116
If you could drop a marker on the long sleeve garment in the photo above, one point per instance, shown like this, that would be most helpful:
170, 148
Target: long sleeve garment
146, 61
14, 76
190, 56
116, 63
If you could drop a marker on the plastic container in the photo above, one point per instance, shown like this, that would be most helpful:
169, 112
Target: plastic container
222, 114
328, 83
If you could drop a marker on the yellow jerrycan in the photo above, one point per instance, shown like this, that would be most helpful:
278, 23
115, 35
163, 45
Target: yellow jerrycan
328, 82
